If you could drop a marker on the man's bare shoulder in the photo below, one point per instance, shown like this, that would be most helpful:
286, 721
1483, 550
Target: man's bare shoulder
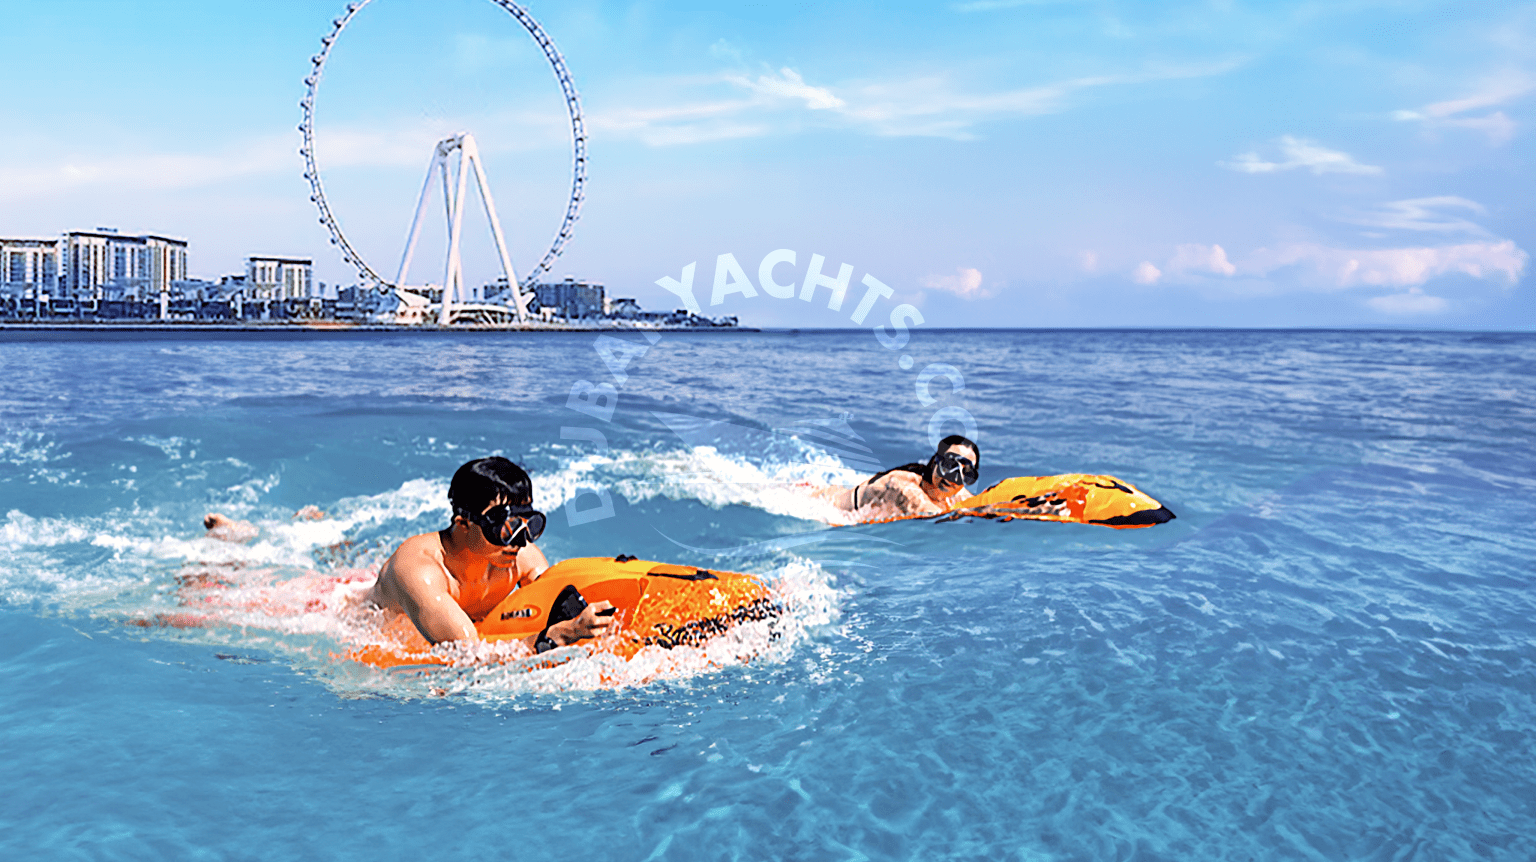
417, 557
430, 543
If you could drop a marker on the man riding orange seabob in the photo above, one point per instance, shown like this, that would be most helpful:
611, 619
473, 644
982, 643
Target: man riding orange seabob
447, 580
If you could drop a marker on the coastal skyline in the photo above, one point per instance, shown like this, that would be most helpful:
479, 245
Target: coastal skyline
996, 163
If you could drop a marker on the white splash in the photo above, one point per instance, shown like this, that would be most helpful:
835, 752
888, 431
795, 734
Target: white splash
706, 475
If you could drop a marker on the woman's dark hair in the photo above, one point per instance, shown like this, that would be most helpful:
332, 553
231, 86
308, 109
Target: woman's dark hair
951, 440
954, 439
926, 469
482, 480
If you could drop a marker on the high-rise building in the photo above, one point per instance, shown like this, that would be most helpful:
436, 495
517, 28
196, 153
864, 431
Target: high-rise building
27, 265
279, 277
574, 299
104, 265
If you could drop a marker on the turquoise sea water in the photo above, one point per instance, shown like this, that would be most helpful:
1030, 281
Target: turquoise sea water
1330, 654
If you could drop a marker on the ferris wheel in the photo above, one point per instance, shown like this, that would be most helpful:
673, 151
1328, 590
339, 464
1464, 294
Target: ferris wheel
578, 148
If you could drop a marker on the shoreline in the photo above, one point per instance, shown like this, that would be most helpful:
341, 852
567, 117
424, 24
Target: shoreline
326, 327
329, 327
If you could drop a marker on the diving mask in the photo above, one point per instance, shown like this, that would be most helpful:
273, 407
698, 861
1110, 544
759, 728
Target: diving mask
507, 525
954, 468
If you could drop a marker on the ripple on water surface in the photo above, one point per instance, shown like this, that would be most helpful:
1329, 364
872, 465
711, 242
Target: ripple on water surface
1330, 654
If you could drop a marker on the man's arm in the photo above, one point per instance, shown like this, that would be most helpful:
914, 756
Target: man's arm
421, 587
588, 625
530, 564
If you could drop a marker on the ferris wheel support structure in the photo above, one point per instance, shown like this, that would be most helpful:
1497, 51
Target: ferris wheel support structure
453, 202
455, 185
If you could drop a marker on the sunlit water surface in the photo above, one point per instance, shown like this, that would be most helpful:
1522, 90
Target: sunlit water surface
1330, 654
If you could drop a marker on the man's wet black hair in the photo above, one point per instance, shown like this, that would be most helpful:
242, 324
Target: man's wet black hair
482, 480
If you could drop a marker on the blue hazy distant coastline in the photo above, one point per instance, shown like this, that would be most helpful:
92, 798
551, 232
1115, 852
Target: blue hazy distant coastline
1329, 654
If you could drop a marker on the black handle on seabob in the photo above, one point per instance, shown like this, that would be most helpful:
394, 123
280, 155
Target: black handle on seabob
568, 606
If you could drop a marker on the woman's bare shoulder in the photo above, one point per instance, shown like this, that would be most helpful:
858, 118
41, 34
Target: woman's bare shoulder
897, 479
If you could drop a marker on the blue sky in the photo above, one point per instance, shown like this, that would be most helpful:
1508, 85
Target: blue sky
995, 163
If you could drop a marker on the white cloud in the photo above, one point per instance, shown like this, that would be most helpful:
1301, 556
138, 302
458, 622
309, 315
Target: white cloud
1454, 113
410, 140
1301, 153
1499, 128
966, 283
151, 171
1313, 266
693, 130
760, 112
387, 144
1201, 258
932, 106
1496, 92
681, 124
1415, 301
1424, 214
789, 85
354, 147
1089, 261
1333, 268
